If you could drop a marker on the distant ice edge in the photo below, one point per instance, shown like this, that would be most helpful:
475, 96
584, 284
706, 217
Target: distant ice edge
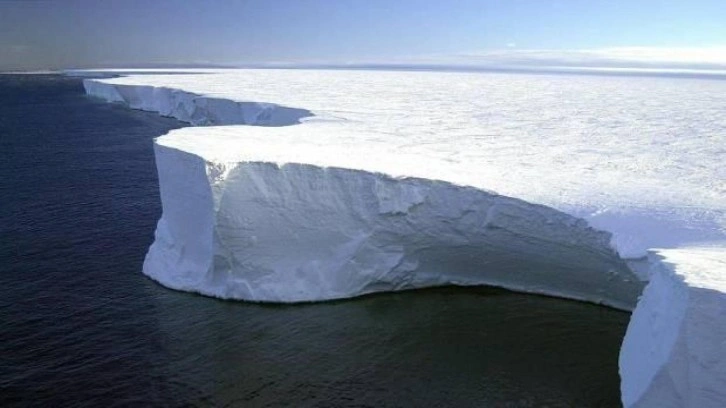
353, 232
195, 109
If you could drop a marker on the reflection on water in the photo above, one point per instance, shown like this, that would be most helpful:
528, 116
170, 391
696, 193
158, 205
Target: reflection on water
82, 327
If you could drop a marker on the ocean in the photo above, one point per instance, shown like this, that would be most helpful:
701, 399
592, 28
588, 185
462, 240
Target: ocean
82, 326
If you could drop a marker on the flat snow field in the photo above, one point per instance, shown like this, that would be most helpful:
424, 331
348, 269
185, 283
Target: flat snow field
360, 181
639, 157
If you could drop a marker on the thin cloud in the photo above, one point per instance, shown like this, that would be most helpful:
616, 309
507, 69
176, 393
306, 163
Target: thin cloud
18, 48
615, 57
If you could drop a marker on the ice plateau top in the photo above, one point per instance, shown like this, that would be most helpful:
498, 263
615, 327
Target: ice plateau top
352, 182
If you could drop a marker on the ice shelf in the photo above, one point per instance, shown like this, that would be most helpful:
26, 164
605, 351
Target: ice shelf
355, 182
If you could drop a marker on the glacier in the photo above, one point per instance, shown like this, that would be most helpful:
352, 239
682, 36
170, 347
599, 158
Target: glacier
352, 183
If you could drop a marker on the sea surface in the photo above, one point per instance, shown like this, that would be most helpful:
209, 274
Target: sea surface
80, 325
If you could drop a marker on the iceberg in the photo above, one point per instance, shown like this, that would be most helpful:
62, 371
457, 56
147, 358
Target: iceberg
352, 183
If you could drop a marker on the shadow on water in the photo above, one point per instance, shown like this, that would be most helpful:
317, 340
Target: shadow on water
445, 346
81, 326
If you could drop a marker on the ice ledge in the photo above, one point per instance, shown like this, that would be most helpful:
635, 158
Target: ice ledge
195, 109
672, 355
262, 230
674, 352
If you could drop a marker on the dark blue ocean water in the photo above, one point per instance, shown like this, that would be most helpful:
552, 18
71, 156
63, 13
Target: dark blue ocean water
81, 326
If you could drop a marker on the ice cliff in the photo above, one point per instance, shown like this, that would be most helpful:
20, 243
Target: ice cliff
274, 230
192, 109
674, 352
333, 206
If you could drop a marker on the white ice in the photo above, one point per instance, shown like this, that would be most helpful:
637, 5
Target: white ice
673, 353
360, 181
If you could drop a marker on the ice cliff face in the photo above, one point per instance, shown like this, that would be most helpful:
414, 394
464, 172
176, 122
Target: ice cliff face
334, 208
674, 352
195, 109
300, 232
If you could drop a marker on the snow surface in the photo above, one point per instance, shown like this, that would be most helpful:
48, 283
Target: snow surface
367, 181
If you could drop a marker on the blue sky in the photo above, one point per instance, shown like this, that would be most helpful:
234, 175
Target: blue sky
37, 34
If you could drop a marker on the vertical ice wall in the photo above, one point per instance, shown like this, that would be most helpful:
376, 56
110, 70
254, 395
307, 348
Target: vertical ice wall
674, 352
195, 109
300, 232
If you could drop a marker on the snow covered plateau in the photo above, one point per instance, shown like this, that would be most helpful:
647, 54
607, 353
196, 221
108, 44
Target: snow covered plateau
306, 185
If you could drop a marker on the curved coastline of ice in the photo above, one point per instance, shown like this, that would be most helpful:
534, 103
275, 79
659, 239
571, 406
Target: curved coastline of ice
295, 214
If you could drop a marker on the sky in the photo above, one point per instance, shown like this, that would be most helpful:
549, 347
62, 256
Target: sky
58, 34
